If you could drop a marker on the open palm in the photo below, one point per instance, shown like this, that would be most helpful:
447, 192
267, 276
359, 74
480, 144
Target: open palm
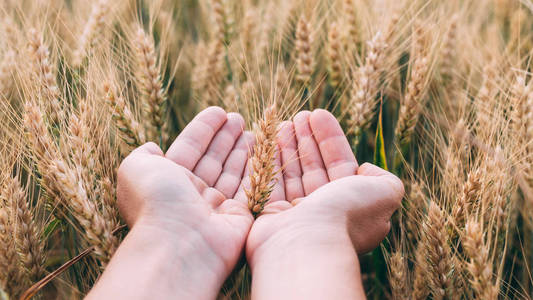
192, 185
322, 189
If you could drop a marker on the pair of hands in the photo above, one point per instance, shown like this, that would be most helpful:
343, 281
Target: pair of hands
322, 202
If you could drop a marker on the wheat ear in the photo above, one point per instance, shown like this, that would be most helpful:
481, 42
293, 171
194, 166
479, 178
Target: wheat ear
262, 162
333, 50
398, 275
479, 265
66, 183
351, 25
412, 103
421, 276
469, 197
45, 76
29, 244
11, 277
7, 66
304, 55
131, 132
149, 80
93, 28
365, 89
449, 52
438, 253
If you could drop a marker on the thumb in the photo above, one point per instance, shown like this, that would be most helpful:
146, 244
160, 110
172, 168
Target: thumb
148, 148
368, 169
371, 170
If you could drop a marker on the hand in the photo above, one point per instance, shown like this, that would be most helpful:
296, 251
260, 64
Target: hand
180, 207
323, 209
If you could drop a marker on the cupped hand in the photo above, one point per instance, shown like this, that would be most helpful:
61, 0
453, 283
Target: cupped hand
322, 196
187, 193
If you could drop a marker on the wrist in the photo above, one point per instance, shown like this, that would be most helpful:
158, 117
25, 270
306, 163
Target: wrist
186, 247
152, 262
319, 263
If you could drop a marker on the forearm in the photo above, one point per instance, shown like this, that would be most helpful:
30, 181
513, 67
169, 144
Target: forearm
151, 264
320, 269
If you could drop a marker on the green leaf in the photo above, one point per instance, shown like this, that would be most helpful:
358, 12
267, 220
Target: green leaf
380, 158
51, 227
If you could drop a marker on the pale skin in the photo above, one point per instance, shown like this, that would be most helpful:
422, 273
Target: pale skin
189, 220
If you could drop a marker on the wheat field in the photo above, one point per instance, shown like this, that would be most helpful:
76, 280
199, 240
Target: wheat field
438, 92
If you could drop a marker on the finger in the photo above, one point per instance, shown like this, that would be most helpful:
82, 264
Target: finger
292, 172
148, 148
336, 152
245, 183
210, 165
379, 195
395, 183
193, 141
314, 172
233, 172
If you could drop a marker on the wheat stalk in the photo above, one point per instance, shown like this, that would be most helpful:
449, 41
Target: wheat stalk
397, 275
149, 80
334, 62
449, 52
7, 67
131, 132
262, 162
469, 197
45, 76
479, 265
365, 89
416, 205
350, 25
438, 253
487, 92
421, 274
92, 30
29, 244
66, 183
412, 101
304, 52
11, 277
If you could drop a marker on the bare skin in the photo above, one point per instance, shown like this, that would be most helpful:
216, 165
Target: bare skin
187, 232
189, 220
323, 210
